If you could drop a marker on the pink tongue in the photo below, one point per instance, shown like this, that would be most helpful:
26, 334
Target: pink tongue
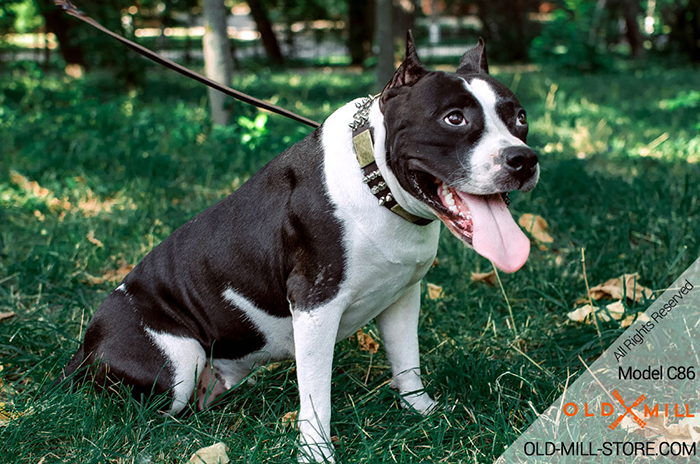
496, 236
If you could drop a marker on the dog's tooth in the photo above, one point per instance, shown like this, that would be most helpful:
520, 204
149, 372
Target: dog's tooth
454, 209
449, 200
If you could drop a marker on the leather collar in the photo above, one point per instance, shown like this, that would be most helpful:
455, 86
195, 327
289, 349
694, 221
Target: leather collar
363, 142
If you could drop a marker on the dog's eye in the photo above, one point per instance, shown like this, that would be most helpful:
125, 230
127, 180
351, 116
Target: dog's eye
522, 118
455, 119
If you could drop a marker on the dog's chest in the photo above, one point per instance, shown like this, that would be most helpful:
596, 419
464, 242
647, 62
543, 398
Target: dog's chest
385, 254
380, 270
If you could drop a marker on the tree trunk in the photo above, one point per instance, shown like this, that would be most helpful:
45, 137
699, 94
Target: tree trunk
63, 27
360, 26
630, 10
272, 47
217, 56
384, 37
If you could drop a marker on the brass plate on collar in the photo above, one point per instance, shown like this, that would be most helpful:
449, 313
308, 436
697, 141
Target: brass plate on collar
364, 148
404, 214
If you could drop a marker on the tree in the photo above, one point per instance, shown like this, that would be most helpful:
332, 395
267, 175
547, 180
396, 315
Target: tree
384, 37
217, 56
630, 11
360, 27
272, 47
507, 27
683, 16
66, 32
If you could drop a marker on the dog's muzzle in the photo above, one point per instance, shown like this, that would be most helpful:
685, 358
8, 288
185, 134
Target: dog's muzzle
520, 163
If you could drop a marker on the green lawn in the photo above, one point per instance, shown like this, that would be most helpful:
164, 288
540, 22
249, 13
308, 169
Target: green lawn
92, 177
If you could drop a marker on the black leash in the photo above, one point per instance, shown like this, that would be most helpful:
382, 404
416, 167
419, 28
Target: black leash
69, 8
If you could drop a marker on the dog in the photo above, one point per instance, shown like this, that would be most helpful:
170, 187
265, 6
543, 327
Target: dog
336, 231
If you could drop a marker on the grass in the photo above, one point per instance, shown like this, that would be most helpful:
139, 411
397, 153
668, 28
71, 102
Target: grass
92, 177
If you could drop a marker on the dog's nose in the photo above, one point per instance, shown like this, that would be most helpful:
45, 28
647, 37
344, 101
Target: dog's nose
520, 161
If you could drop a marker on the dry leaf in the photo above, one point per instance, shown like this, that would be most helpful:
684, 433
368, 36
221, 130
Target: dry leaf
685, 431
486, 277
626, 322
214, 454
111, 275
613, 311
620, 287
289, 419
536, 226
7, 315
91, 238
366, 342
580, 314
434, 292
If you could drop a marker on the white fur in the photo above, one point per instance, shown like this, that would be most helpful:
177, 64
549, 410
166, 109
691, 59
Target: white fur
279, 339
398, 325
496, 136
386, 256
232, 371
187, 360
384, 253
315, 334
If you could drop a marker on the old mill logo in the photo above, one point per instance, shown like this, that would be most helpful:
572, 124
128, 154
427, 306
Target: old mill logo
608, 410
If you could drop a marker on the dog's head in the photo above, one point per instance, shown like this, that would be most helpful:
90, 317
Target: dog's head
456, 143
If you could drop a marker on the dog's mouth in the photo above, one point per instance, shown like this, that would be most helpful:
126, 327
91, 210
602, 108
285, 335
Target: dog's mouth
481, 221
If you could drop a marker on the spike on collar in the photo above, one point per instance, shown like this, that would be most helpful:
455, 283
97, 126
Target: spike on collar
363, 143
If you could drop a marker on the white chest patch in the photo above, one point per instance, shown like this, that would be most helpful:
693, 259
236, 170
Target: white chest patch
385, 254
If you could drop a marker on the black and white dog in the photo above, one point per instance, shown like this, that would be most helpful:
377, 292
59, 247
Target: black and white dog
334, 232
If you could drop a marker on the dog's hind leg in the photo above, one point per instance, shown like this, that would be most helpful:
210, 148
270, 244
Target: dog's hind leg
121, 350
186, 362
398, 325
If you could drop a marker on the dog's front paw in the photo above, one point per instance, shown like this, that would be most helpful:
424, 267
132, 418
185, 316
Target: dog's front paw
419, 402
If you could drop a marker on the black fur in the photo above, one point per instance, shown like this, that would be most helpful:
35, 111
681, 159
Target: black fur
270, 241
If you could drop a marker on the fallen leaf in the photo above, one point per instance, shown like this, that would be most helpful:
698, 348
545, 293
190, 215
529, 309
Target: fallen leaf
627, 321
289, 419
7, 315
580, 314
618, 288
536, 226
613, 311
660, 430
214, 454
434, 292
486, 277
91, 238
366, 342
111, 275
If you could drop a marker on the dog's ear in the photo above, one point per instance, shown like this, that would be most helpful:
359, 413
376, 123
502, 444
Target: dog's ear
474, 60
410, 71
